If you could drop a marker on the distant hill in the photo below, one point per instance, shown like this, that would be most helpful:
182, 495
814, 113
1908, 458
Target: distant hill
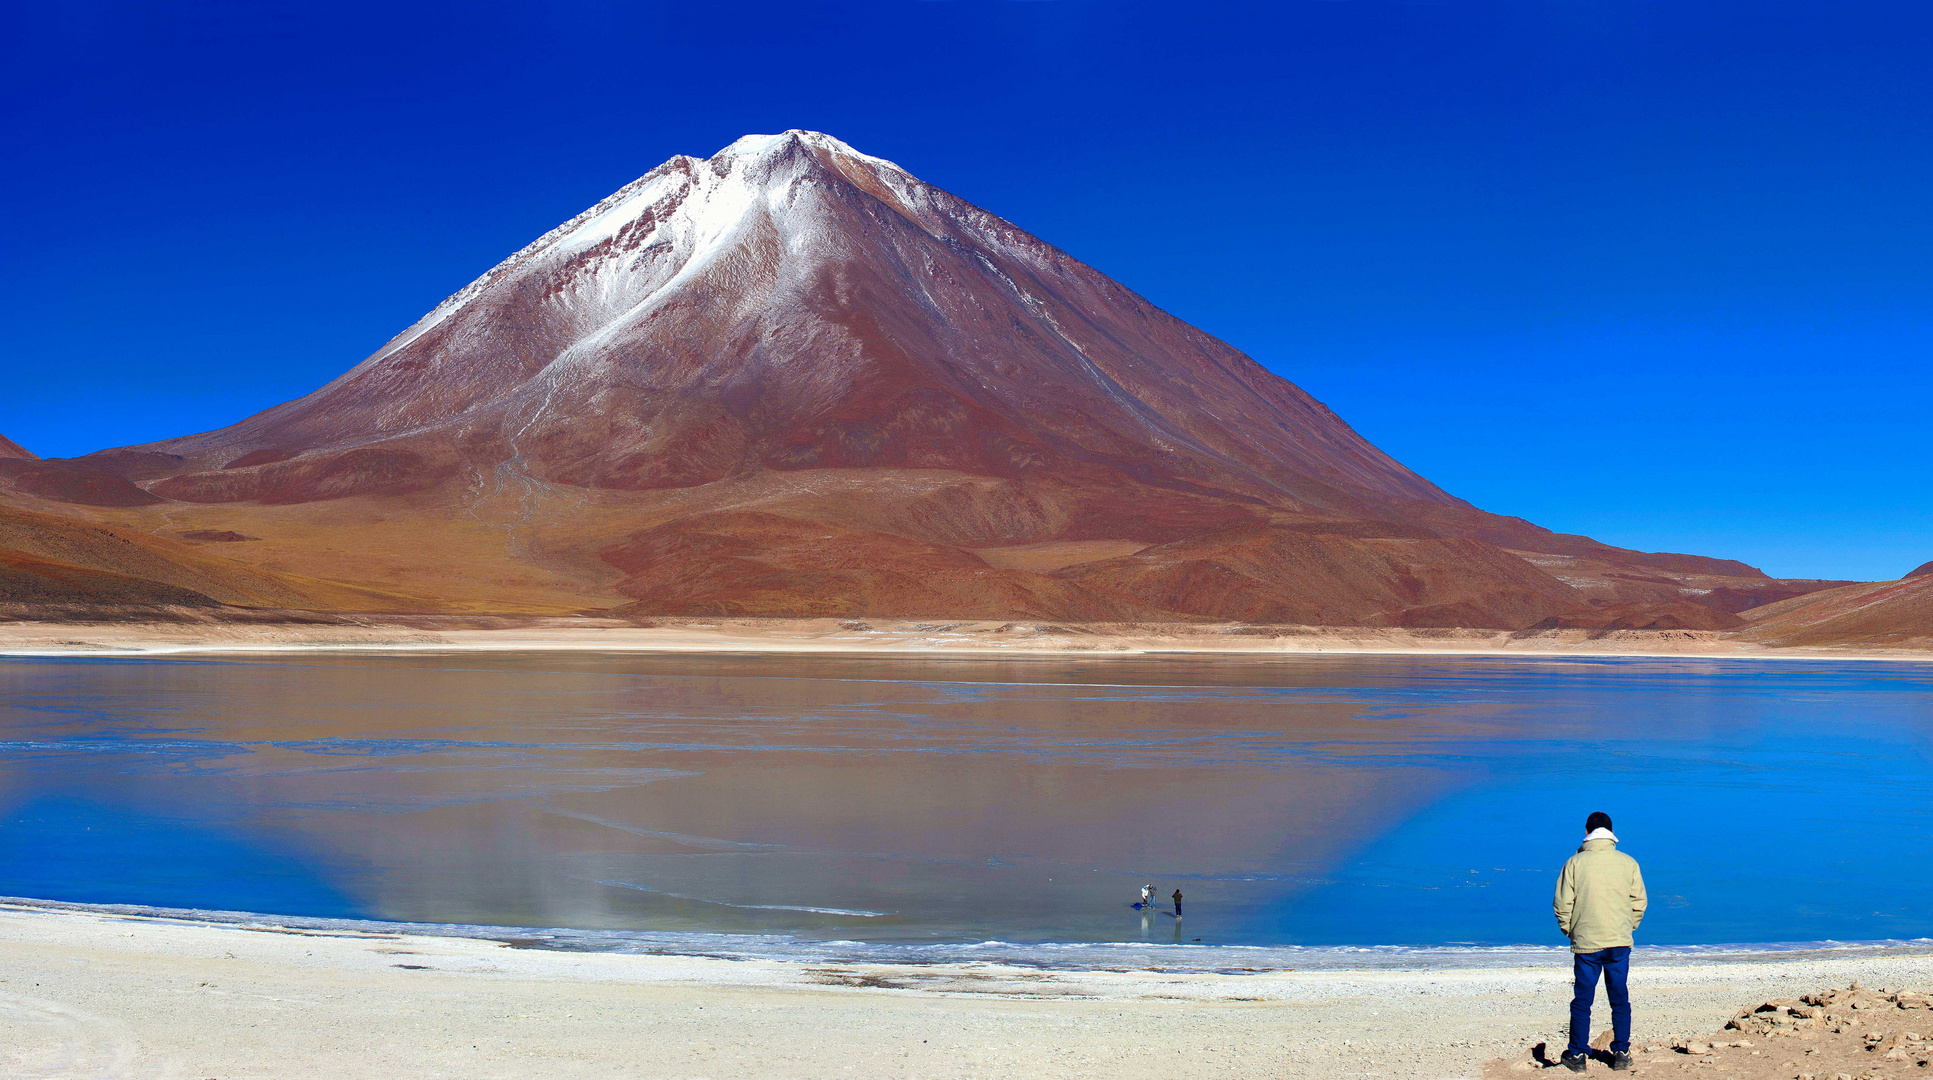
1872, 613
11, 449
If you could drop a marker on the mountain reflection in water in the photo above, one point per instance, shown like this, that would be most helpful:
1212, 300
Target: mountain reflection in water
1358, 800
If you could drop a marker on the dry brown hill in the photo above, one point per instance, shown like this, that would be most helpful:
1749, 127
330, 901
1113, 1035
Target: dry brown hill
57, 558
1893, 613
26, 580
75, 483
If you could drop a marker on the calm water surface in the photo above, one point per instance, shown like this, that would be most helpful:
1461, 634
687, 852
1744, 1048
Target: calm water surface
1322, 801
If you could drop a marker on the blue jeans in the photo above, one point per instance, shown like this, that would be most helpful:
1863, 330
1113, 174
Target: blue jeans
1616, 966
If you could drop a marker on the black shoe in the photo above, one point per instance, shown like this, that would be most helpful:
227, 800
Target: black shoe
1621, 1060
1574, 1062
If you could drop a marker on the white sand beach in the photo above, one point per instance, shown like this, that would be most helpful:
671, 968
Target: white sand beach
892, 637
87, 994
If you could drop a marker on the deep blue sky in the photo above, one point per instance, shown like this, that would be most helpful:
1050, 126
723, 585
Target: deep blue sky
1658, 272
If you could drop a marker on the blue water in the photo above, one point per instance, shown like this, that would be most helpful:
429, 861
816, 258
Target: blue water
1296, 802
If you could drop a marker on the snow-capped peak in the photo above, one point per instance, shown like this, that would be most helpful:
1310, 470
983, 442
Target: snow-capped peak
687, 209
758, 146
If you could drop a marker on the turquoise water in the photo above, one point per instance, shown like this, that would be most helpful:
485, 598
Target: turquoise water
1307, 801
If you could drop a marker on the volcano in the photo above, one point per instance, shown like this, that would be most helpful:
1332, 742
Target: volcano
794, 304
792, 379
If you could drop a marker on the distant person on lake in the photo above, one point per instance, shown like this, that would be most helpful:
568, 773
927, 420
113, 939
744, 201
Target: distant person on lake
1147, 897
1177, 903
1600, 901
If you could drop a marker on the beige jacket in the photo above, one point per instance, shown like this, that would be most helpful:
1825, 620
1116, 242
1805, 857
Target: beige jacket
1600, 897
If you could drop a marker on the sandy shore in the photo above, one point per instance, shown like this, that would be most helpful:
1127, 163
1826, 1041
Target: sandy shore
98, 995
877, 637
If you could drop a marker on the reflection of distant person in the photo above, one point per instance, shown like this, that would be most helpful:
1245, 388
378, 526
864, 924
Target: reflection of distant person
1600, 900
1177, 903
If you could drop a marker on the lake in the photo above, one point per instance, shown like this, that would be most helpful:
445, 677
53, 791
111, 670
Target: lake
1321, 801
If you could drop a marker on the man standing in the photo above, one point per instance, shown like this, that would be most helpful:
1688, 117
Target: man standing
1177, 903
1600, 900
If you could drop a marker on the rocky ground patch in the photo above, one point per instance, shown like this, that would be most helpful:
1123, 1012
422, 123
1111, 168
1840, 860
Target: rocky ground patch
1858, 1033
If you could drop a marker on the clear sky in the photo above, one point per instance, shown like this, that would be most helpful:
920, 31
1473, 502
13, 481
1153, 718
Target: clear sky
1657, 271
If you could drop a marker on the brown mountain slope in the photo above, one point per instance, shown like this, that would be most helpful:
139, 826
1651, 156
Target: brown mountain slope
1289, 575
26, 580
78, 483
1874, 613
749, 563
1671, 615
48, 553
793, 379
